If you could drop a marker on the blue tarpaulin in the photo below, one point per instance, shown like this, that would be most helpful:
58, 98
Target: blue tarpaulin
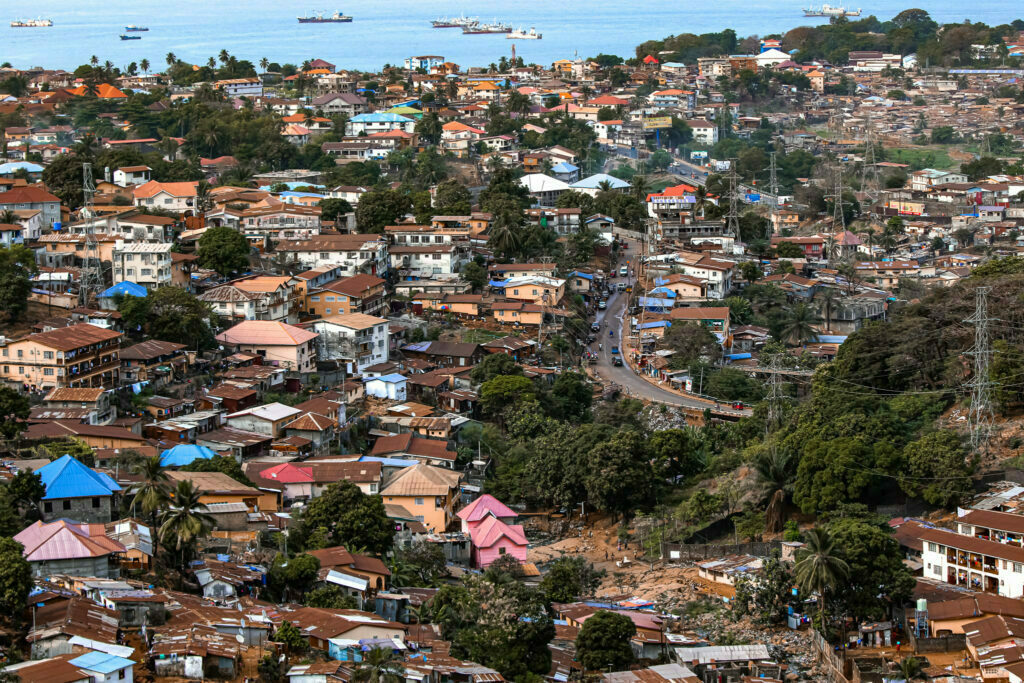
185, 454
125, 288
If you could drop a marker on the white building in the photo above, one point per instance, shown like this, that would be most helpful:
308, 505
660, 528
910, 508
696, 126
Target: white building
353, 253
144, 263
542, 188
241, 87
704, 132
377, 122
391, 386
426, 62
177, 197
360, 340
132, 175
984, 554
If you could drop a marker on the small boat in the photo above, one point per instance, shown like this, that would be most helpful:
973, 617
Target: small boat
135, 29
125, 36
320, 18
32, 23
520, 34
830, 11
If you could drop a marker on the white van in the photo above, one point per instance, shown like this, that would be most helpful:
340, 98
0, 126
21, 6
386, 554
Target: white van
623, 271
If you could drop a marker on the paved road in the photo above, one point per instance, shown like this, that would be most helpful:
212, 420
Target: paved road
611, 319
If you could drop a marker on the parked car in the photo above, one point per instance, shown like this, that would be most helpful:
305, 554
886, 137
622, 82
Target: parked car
615, 350
602, 304
595, 326
617, 361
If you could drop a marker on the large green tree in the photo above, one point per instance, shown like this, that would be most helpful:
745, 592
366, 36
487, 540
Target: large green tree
17, 265
877, 577
938, 469
380, 208
570, 578
603, 643
171, 314
224, 250
14, 409
15, 579
351, 518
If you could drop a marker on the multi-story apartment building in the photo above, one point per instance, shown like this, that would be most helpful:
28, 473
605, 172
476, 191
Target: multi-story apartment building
355, 253
984, 554
81, 355
359, 340
355, 294
144, 263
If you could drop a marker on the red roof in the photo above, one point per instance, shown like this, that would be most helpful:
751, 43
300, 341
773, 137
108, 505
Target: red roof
650, 60
288, 473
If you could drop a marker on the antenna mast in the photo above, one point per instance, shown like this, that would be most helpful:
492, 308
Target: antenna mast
90, 281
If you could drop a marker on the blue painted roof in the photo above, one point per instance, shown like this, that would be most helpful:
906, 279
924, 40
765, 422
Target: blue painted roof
66, 477
392, 378
831, 338
664, 291
185, 454
651, 302
389, 462
291, 193
126, 288
498, 283
417, 346
379, 117
592, 182
291, 185
656, 324
564, 167
585, 276
101, 662
13, 166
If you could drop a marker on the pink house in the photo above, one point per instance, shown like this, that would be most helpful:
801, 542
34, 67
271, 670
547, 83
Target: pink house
487, 521
483, 507
295, 482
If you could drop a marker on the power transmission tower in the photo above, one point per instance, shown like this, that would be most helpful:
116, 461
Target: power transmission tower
979, 419
775, 395
773, 179
90, 281
869, 183
838, 215
732, 219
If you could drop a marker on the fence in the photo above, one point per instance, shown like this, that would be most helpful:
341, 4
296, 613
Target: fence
956, 642
834, 663
704, 551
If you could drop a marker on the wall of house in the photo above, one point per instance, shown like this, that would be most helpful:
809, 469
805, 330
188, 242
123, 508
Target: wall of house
78, 566
78, 509
485, 556
433, 517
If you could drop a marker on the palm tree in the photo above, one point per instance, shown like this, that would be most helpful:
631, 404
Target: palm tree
829, 300
605, 186
799, 325
223, 57
818, 569
640, 187
144, 65
517, 103
211, 62
94, 60
187, 520
151, 491
506, 238
8, 217
775, 477
910, 668
171, 59
379, 665
264, 64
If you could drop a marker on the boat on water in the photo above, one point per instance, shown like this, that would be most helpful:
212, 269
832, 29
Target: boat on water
830, 11
135, 29
125, 36
520, 34
32, 23
486, 28
321, 18
453, 22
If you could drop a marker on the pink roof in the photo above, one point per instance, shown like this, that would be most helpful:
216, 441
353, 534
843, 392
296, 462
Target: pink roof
266, 333
492, 529
63, 540
287, 473
484, 505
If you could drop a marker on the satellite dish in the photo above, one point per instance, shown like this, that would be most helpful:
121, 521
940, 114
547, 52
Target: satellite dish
240, 638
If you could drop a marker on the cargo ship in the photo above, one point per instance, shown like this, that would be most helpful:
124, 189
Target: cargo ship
520, 34
454, 22
32, 23
336, 18
125, 36
486, 28
135, 29
830, 11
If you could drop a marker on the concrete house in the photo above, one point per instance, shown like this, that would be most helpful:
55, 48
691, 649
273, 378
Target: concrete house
428, 493
64, 547
278, 343
391, 386
73, 491
268, 419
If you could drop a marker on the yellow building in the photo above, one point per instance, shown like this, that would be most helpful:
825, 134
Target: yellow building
427, 492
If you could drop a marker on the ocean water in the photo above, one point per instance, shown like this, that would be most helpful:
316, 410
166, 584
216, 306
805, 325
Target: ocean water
388, 31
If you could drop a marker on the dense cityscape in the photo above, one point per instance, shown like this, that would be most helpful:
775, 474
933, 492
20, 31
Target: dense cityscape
693, 365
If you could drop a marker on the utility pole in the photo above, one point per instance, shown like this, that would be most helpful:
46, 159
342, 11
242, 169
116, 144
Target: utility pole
979, 419
90, 280
732, 219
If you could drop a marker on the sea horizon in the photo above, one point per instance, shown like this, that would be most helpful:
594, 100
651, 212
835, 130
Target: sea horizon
388, 33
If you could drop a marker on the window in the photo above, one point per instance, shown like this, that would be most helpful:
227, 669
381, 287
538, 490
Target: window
314, 298
67, 504
419, 501
501, 551
327, 311
48, 355
47, 507
328, 298
47, 371
1017, 568
95, 501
